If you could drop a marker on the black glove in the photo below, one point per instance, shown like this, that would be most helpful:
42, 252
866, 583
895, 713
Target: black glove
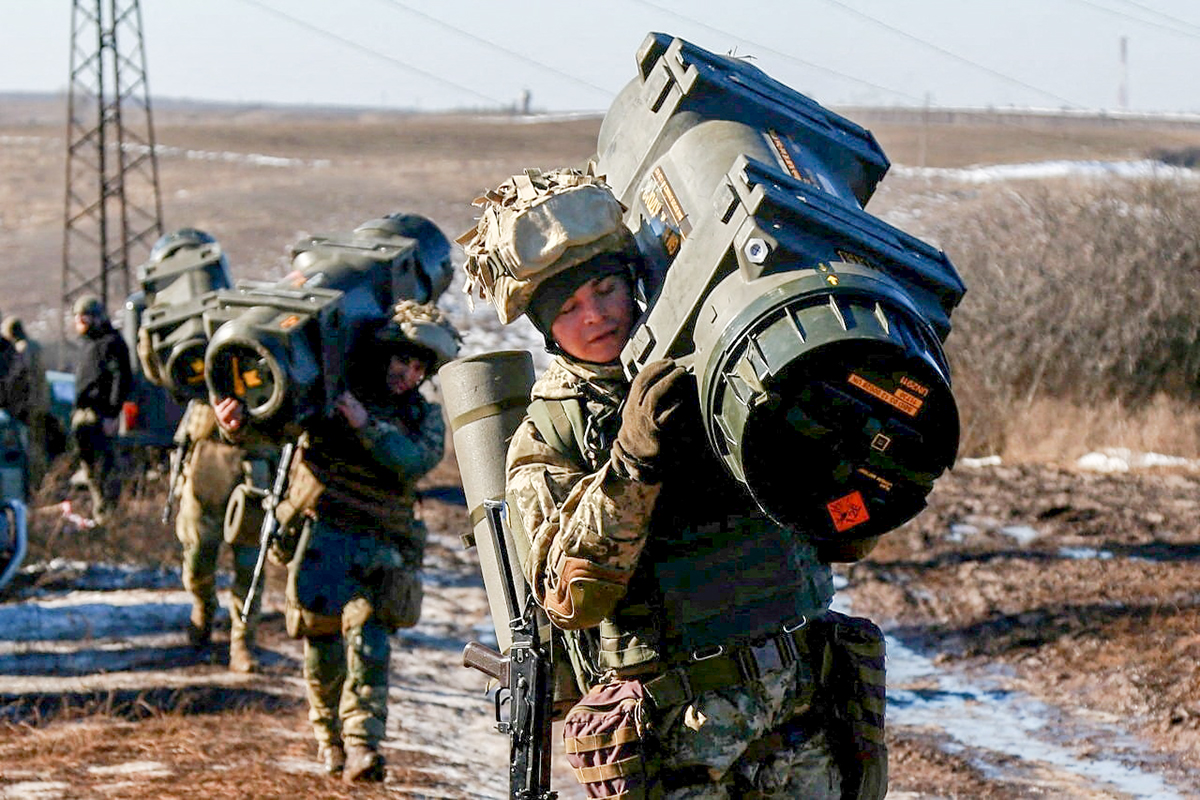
661, 403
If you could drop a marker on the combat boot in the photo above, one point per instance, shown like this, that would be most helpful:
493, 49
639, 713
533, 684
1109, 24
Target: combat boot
364, 764
333, 757
200, 625
241, 656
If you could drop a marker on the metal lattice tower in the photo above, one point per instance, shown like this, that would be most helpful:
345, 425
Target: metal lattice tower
112, 200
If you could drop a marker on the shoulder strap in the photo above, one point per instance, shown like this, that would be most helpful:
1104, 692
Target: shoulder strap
560, 422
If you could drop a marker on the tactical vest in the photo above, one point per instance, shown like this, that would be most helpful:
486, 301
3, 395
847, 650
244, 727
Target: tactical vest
716, 572
353, 489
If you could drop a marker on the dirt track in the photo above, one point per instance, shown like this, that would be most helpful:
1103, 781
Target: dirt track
1020, 583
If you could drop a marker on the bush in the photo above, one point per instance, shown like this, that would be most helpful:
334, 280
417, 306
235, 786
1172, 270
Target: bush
1085, 292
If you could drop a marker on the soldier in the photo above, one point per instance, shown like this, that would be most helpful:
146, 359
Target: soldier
698, 627
103, 379
211, 470
27, 395
354, 577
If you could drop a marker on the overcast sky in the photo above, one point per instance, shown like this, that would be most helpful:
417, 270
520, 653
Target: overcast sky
576, 54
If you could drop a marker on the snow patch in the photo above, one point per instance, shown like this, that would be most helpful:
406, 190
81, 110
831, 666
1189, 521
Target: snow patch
1012, 725
1041, 170
1084, 553
984, 461
150, 769
36, 790
1122, 459
1024, 534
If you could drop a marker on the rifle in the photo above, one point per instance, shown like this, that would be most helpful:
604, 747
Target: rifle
177, 459
525, 679
270, 526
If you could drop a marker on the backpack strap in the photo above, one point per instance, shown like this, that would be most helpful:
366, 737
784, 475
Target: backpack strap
561, 424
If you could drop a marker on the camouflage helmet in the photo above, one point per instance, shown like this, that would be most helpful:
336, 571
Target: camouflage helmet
177, 240
424, 326
535, 226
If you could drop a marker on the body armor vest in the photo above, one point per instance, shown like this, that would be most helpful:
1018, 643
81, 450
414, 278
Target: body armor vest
716, 570
355, 490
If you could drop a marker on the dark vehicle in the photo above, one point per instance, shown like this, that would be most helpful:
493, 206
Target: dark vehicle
62, 400
150, 414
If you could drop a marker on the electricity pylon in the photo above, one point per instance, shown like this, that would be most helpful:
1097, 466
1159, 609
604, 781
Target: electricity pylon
113, 205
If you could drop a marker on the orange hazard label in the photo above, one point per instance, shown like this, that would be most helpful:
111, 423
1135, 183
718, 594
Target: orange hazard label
668, 196
848, 511
909, 383
290, 321
900, 399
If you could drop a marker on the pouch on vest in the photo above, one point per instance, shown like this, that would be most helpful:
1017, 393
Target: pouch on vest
215, 469
854, 689
299, 621
303, 492
605, 736
400, 598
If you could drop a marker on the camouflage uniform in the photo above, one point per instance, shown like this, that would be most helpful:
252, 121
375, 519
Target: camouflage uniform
213, 470
355, 575
600, 564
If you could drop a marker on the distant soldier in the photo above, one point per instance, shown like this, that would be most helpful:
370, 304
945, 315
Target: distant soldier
103, 379
27, 393
354, 577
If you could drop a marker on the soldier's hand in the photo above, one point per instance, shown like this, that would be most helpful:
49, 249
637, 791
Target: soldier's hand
662, 399
230, 413
355, 413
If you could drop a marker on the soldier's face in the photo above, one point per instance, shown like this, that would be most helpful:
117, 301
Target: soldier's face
594, 323
82, 323
404, 374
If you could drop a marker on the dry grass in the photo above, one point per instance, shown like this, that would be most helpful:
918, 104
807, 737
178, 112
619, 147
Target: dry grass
1050, 430
206, 757
134, 534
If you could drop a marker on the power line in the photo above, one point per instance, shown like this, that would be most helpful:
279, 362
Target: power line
999, 120
608, 93
950, 54
1171, 25
376, 54
785, 56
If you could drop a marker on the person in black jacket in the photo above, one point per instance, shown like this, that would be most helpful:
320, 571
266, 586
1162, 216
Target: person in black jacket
102, 382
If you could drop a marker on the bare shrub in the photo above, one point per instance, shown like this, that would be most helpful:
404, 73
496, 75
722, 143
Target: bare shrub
1081, 291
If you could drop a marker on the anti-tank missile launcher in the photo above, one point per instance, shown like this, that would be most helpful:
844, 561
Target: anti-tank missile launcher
815, 328
282, 348
177, 289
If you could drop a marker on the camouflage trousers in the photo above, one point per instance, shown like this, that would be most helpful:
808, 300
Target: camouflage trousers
200, 529
339, 579
346, 680
726, 743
